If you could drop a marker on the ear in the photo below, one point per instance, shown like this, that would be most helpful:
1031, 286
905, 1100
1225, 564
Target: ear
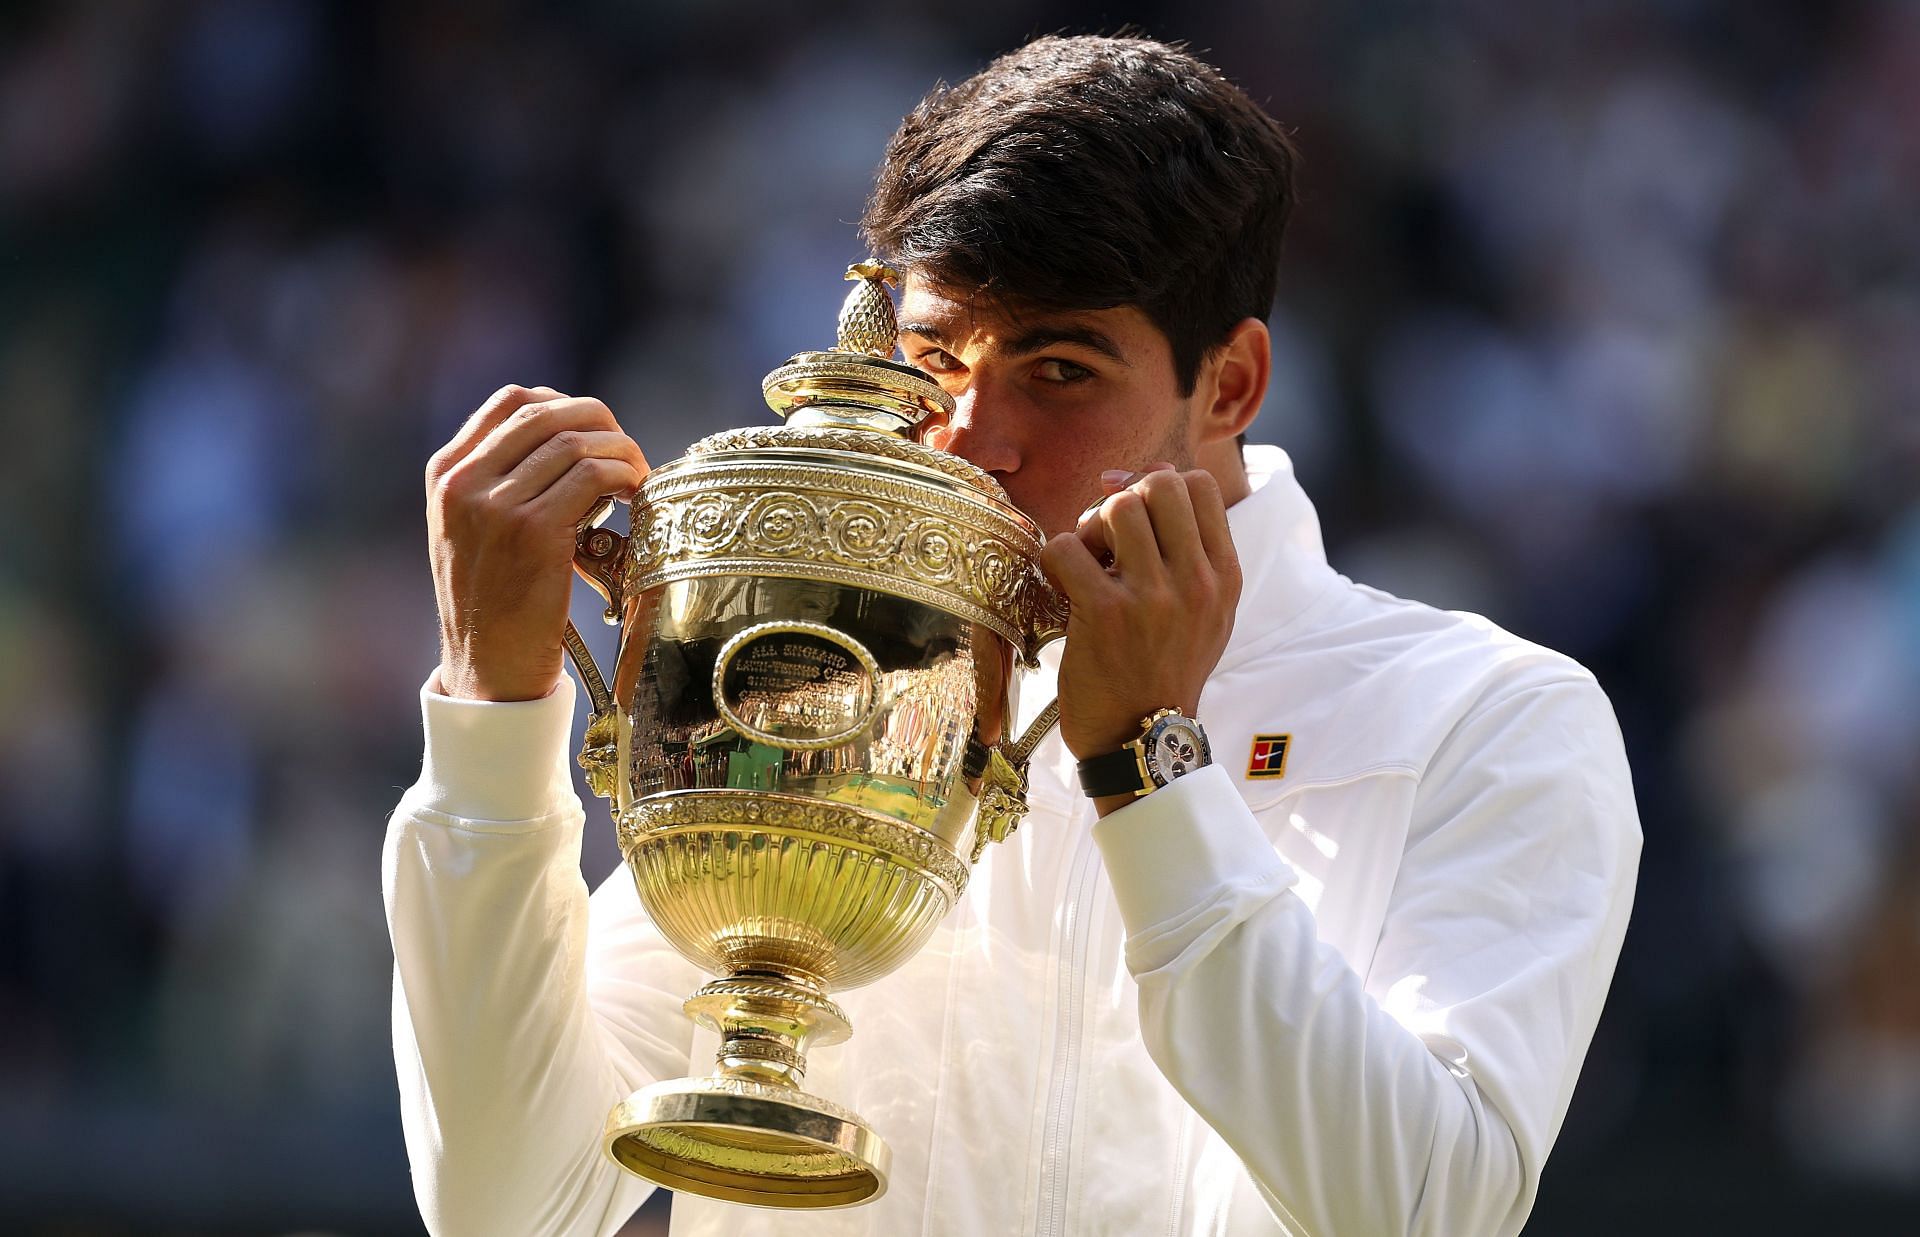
1233, 382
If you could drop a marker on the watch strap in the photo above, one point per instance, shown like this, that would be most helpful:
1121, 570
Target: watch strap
1115, 773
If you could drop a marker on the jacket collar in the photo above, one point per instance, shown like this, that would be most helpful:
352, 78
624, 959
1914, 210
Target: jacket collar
1283, 562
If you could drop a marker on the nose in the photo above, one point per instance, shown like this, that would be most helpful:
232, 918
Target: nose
977, 433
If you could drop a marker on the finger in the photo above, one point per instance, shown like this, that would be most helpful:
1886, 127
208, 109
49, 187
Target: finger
1074, 570
1095, 526
1129, 535
1114, 480
549, 461
1210, 518
530, 425
1171, 511
584, 484
499, 406
1091, 530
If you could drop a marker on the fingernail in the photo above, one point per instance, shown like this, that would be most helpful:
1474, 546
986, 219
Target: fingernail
1115, 476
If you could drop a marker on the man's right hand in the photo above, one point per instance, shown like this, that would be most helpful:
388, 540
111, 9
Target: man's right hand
503, 501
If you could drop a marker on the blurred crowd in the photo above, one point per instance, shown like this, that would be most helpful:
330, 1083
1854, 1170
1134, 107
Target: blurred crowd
1602, 319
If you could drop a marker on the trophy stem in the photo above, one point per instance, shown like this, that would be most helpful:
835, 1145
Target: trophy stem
767, 1021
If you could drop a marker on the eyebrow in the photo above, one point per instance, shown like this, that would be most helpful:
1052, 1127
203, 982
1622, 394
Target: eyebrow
1041, 337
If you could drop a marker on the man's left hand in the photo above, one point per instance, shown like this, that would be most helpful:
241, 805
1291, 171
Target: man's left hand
1152, 580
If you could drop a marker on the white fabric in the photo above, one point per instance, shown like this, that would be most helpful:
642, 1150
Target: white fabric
1350, 1000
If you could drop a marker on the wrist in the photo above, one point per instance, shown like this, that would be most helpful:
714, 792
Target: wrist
462, 678
1165, 745
1111, 734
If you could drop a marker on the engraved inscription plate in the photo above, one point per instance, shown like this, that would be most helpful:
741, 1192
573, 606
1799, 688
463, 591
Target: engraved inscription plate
796, 685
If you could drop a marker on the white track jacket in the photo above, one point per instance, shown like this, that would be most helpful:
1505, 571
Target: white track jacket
1347, 1001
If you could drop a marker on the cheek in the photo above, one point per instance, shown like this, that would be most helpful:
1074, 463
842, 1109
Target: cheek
1112, 435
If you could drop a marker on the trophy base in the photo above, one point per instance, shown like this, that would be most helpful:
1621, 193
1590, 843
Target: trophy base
740, 1141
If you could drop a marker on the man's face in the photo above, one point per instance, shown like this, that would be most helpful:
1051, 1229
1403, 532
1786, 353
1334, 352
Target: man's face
1047, 402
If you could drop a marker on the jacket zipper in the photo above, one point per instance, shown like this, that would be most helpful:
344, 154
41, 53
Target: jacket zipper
1056, 1140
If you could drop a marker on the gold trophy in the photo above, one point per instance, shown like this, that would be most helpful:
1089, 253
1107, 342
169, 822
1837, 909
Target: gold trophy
803, 741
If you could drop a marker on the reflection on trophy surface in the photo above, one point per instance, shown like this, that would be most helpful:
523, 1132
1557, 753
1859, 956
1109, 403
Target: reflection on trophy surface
803, 742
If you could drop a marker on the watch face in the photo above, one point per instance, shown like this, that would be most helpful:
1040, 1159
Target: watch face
1175, 748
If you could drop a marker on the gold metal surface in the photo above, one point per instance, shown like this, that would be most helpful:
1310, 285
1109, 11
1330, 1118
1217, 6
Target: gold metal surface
798, 685
802, 512
867, 322
836, 438
803, 739
857, 385
748, 1142
721, 873
860, 392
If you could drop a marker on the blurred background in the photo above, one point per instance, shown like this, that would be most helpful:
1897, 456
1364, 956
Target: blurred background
1602, 319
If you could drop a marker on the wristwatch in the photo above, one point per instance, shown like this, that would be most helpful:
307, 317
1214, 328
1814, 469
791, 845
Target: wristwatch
1170, 745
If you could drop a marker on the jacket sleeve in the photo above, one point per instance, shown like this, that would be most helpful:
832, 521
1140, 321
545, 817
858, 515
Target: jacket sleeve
515, 1028
1422, 1097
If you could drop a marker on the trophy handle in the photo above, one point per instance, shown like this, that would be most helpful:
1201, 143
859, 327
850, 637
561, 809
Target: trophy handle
1003, 767
600, 556
1003, 782
1047, 621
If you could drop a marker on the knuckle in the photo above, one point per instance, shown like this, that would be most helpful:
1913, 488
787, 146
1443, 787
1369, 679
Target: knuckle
597, 470
513, 395
493, 505
456, 482
440, 503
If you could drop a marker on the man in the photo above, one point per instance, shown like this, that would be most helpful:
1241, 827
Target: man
1338, 981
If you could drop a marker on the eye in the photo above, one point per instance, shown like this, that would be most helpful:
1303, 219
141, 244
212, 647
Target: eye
1054, 369
937, 361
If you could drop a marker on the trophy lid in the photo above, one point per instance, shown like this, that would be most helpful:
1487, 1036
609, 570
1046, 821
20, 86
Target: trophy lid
856, 384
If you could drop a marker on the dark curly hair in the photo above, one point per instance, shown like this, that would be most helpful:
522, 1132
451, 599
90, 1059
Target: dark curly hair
1090, 172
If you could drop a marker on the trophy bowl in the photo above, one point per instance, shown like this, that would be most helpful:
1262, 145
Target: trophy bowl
803, 740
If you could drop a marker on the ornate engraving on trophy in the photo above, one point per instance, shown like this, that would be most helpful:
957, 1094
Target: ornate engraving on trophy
898, 533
